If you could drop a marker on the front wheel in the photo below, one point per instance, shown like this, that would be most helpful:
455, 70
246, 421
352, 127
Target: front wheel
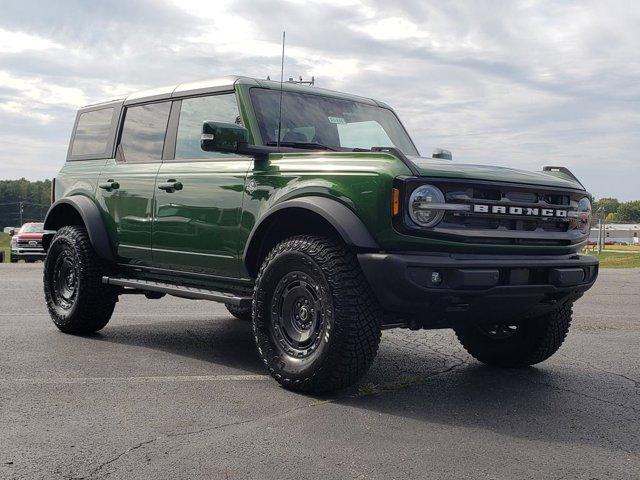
77, 300
316, 322
517, 345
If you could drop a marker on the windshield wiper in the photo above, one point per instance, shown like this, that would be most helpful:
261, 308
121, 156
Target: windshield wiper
305, 145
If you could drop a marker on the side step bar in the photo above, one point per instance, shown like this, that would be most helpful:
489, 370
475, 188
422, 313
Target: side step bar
178, 290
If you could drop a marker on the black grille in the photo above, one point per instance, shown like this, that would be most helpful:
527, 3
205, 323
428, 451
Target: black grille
507, 196
494, 213
466, 220
26, 243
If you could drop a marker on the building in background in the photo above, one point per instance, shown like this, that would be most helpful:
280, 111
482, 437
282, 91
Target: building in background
618, 233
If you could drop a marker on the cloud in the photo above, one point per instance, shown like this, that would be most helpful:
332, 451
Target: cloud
520, 84
17, 42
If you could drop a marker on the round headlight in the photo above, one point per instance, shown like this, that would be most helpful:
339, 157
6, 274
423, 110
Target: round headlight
421, 205
584, 214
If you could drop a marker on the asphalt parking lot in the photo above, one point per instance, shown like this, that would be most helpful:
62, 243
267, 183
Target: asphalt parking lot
172, 389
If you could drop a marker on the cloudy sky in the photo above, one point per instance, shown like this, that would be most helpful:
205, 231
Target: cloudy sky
514, 83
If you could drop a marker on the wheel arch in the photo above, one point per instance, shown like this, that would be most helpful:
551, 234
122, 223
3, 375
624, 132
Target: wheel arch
304, 215
79, 210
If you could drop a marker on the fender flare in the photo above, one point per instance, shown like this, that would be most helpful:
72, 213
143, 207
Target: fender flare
58, 216
338, 215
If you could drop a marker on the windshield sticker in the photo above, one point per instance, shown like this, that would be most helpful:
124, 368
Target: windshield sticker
337, 120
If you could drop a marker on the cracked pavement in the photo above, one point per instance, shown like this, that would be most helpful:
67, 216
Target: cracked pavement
173, 389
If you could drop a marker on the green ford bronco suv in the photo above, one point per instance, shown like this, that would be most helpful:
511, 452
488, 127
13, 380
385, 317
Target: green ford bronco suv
321, 225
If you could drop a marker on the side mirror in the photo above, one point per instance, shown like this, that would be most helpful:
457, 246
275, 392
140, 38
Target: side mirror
222, 137
442, 153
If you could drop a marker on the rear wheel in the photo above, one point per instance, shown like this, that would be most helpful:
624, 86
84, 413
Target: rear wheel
241, 313
77, 300
517, 345
315, 320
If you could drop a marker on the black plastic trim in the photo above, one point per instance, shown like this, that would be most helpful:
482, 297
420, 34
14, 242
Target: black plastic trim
473, 286
178, 290
171, 134
344, 220
91, 217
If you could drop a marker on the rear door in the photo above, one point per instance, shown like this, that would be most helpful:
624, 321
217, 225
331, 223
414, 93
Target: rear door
196, 225
127, 183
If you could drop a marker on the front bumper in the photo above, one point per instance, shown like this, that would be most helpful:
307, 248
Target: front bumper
28, 254
433, 290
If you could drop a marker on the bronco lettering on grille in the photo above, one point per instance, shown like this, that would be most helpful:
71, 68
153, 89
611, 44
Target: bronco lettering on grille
526, 211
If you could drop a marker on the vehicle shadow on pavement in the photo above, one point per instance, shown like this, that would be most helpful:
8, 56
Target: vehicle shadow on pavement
226, 342
425, 377
567, 405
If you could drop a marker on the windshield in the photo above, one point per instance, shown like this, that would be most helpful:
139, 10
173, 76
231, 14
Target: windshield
328, 121
32, 228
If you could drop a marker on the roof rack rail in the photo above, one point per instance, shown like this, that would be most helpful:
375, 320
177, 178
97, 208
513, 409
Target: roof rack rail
300, 81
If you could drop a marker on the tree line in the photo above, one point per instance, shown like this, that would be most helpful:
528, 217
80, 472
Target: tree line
23, 199
617, 212
33, 199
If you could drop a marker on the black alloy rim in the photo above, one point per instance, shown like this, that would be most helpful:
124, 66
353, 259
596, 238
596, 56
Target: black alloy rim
297, 314
65, 280
499, 331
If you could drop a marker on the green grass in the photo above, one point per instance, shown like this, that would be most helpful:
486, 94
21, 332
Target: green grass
618, 260
4, 245
627, 248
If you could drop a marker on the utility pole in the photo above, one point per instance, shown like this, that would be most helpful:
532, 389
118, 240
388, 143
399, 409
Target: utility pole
21, 212
600, 230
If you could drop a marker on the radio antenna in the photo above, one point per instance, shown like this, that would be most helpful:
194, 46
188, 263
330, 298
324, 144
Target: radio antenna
281, 81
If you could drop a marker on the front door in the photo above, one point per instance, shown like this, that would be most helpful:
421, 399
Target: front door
127, 184
199, 194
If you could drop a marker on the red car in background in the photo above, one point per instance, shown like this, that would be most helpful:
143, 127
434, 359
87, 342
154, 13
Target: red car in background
26, 243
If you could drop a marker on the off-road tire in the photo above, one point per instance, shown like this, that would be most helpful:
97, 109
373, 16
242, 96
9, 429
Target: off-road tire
241, 313
534, 341
91, 303
350, 319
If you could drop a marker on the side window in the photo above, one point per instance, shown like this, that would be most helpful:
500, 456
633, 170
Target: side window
93, 132
193, 113
143, 132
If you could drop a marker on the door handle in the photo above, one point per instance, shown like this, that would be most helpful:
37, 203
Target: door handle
109, 185
170, 186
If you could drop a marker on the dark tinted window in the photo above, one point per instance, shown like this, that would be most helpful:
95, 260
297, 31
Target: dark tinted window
93, 132
193, 113
143, 132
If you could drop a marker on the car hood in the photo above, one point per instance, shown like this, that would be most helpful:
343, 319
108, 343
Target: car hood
434, 167
29, 236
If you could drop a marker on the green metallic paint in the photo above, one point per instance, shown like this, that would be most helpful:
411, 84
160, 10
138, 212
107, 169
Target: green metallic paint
128, 210
196, 229
361, 183
78, 178
433, 167
246, 112
202, 229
